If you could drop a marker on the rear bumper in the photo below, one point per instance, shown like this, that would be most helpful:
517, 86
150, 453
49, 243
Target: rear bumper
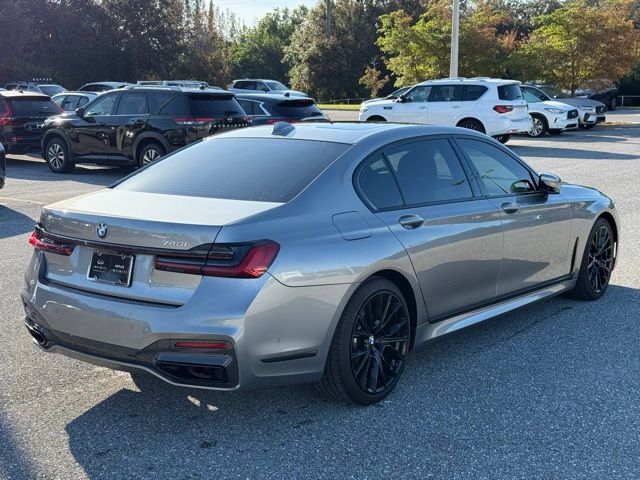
19, 145
278, 335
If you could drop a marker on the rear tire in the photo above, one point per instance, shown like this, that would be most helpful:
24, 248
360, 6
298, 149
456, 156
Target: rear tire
539, 127
376, 118
369, 346
555, 131
503, 138
150, 153
472, 125
57, 156
596, 264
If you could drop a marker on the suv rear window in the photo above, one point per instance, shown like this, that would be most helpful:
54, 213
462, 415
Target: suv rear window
510, 91
214, 105
32, 107
301, 108
255, 169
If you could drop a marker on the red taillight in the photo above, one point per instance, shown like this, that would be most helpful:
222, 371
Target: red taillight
207, 345
503, 108
6, 119
254, 263
44, 243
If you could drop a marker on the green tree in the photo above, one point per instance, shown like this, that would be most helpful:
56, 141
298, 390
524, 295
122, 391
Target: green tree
260, 51
582, 43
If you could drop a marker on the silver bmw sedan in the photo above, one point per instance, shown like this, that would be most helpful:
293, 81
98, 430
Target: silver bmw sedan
311, 253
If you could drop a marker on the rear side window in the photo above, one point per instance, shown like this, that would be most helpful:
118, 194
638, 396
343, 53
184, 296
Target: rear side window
133, 104
429, 171
32, 107
297, 109
83, 101
473, 92
255, 169
202, 105
510, 91
70, 103
445, 93
103, 105
170, 105
376, 183
251, 107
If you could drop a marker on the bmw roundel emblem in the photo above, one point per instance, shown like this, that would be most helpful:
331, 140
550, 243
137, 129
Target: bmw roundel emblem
102, 230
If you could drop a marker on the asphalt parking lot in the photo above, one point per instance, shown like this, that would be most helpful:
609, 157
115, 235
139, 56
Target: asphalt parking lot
549, 391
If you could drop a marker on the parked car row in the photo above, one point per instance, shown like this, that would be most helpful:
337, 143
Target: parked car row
496, 107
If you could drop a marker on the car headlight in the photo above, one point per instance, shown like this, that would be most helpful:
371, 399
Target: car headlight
364, 108
556, 111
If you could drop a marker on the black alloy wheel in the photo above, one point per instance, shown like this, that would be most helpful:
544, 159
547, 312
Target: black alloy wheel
379, 342
597, 263
370, 344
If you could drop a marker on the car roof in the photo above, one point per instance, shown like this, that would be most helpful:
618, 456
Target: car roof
175, 88
344, 132
20, 93
257, 80
76, 93
474, 80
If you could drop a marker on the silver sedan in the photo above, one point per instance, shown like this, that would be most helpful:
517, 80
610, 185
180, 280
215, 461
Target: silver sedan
311, 253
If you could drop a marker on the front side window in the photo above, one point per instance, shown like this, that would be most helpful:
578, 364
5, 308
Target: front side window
102, 105
429, 171
133, 104
83, 101
445, 93
499, 173
70, 103
375, 181
533, 95
418, 94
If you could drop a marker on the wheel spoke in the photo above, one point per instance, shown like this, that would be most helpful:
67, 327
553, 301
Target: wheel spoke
391, 340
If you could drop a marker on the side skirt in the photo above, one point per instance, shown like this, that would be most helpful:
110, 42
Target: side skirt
428, 331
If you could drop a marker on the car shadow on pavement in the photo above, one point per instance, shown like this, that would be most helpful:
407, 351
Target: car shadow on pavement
38, 170
571, 153
548, 388
13, 222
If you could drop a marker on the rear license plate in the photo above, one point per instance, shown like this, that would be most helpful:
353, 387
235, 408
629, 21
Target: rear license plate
113, 268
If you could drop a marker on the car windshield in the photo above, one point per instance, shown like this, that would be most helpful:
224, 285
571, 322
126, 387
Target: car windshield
52, 90
552, 92
252, 169
399, 92
273, 85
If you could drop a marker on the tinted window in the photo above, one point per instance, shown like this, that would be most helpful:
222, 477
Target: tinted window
250, 107
258, 169
377, 184
133, 104
446, 93
532, 95
296, 109
83, 101
52, 90
32, 107
246, 85
159, 100
499, 173
70, 103
418, 94
177, 106
473, 92
214, 105
103, 105
509, 92
58, 100
429, 171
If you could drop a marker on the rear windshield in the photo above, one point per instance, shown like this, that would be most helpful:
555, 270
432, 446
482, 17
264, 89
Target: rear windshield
509, 92
214, 105
256, 169
296, 109
32, 107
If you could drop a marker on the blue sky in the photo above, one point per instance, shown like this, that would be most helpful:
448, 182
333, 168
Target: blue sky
250, 11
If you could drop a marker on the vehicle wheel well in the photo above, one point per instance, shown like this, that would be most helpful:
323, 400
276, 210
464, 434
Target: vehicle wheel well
50, 137
541, 117
376, 118
400, 281
471, 119
609, 218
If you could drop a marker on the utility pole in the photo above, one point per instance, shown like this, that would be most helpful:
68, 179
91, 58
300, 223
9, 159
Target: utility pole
327, 25
455, 34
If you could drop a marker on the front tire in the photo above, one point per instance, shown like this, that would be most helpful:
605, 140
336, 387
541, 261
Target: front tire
369, 347
555, 131
597, 263
539, 127
57, 156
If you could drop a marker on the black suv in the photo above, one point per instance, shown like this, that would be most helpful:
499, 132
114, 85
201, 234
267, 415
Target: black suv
270, 108
22, 115
137, 125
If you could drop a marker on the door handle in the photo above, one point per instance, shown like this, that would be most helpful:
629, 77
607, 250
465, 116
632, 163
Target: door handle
423, 107
455, 106
510, 207
411, 221
136, 121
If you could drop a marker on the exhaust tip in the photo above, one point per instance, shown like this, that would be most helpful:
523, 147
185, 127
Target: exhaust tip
37, 335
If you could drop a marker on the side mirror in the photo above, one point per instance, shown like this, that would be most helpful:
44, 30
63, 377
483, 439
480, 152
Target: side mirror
80, 112
401, 99
550, 183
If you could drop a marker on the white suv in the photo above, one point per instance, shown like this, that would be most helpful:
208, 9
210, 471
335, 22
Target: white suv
550, 116
492, 106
